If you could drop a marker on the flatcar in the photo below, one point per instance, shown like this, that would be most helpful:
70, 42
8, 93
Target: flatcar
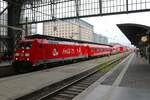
38, 50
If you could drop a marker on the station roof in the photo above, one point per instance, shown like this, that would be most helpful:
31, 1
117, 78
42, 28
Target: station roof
134, 31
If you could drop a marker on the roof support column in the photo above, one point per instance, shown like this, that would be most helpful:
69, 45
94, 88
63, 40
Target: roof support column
77, 6
127, 7
100, 6
14, 11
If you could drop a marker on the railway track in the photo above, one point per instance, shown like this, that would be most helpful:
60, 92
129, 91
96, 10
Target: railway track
69, 88
75, 88
6, 71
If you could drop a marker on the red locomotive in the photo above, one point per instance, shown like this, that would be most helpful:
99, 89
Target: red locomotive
40, 49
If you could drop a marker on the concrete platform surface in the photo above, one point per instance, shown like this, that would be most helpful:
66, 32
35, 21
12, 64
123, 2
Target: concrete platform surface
137, 75
132, 83
101, 92
17, 86
6, 63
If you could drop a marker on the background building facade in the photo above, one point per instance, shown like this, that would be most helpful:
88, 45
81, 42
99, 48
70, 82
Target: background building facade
3, 30
98, 38
72, 29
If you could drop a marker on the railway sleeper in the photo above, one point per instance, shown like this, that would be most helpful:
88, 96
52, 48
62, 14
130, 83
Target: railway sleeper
68, 95
82, 85
85, 83
62, 97
73, 89
78, 87
71, 92
59, 98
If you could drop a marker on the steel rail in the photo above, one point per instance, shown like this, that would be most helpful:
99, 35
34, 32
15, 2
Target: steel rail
76, 81
56, 87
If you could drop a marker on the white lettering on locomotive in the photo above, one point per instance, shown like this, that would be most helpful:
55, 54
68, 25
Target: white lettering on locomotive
55, 52
67, 51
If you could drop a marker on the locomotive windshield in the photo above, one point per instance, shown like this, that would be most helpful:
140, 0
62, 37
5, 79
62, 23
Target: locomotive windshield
24, 45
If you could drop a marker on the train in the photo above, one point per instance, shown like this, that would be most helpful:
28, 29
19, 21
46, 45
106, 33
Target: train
36, 50
118, 49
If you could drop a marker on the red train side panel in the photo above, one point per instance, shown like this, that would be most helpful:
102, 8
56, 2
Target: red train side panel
121, 49
41, 51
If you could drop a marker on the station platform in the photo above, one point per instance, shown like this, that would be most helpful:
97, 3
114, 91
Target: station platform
20, 85
5, 63
129, 80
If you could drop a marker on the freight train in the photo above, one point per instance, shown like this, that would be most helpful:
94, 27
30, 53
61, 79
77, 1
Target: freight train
38, 50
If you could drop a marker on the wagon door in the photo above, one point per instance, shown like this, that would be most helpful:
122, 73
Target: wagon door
40, 53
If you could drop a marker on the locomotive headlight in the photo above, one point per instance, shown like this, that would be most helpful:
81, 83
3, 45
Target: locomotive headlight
27, 54
17, 54
28, 59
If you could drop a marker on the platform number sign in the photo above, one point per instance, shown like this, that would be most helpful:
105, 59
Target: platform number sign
55, 52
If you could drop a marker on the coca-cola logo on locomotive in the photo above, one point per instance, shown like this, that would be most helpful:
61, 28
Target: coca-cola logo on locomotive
55, 52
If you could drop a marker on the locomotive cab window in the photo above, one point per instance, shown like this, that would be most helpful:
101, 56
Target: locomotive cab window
25, 45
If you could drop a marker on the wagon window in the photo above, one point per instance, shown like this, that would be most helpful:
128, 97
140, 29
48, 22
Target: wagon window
101, 49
